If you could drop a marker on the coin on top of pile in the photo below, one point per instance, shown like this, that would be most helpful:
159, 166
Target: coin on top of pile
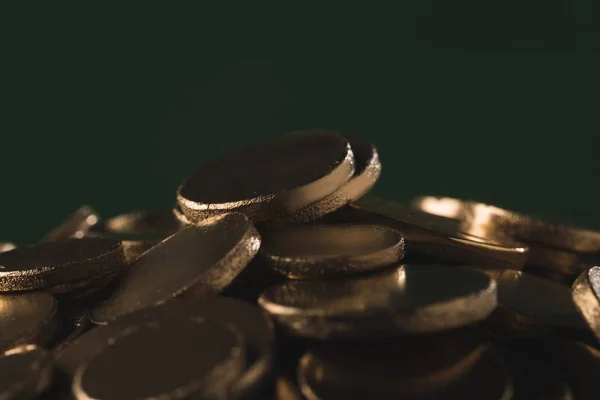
48, 264
205, 257
76, 226
431, 238
408, 299
366, 173
327, 250
482, 219
270, 179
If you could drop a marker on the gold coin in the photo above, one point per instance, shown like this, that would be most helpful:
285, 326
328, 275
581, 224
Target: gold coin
327, 250
205, 257
586, 294
76, 226
271, 179
401, 300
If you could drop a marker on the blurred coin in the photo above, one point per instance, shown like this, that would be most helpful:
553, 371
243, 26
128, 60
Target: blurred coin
25, 372
6, 246
366, 173
76, 226
26, 318
479, 219
270, 179
202, 359
586, 295
328, 250
205, 257
436, 238
580, 365
53, 263
406, 299
535, 375
286, 388
447, 370
442, 206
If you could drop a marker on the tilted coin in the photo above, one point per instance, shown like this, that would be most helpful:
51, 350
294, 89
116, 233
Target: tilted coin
328, 250
405, 299
205, 257
271, 179
26, 318
435, 238
392, 371
6, 246
201, 359
180, 216
366, 173
586, 295
540, 300
76, 226
479, 219
53, 263
534, 370
25, 372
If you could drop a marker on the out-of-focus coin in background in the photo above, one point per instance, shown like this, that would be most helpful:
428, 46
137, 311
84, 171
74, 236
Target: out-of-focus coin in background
6, 246
76, 226
25, 372
206, 257
270, 179
329, 250
405, 299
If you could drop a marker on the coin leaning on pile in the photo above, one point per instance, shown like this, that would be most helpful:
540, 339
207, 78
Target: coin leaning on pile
274, 277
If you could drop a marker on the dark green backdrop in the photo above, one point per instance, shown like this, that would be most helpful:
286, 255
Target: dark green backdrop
114, 107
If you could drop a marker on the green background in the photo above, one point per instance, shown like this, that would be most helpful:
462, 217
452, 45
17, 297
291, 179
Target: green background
114, 107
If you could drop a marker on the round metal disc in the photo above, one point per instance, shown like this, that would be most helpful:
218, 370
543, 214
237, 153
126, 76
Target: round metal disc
205, 257
270, 179
366, 173
167, 359
25, 372
26, 318
53, 263
327, 250
6, 246
399, 371
406, 299
76, 226
586, 294
433, 238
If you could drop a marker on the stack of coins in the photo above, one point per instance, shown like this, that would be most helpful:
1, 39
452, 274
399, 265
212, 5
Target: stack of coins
275, 277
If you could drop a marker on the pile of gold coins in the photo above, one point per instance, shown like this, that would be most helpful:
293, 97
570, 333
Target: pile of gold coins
275, 277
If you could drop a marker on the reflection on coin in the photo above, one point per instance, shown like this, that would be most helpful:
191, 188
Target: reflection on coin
388, 371
406, 299
180, 216
26, 318
537, 299
442, 206
535, 375
205, 257
434, 237
6, 246
270, 179
201, 359
76, 226
325, 250
366, 173
53, 263
586, 294
25, 372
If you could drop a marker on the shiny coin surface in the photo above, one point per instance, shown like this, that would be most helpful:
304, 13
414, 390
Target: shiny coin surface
271, 179
76, 226
436, 238
26, 318
201, 359
6, 246
205, 257
586, 294
366, 174
395, 371
25, 372
49, 264
406, 299
328, 250
482, 219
